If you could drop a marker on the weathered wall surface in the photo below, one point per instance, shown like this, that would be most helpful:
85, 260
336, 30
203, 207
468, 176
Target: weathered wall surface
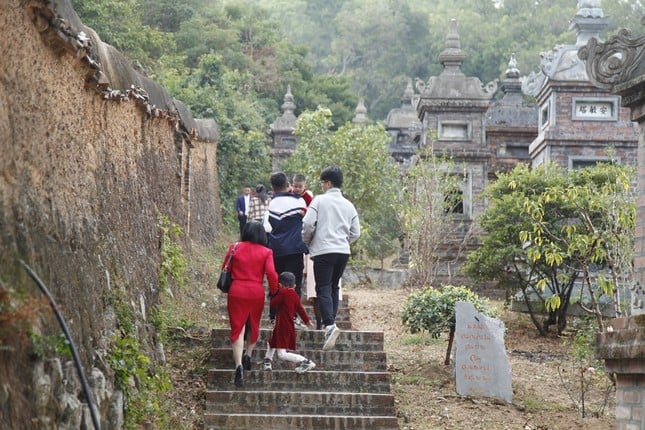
83, 181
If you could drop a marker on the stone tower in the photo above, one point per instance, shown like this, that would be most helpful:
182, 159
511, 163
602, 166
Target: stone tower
404, 127
283, 140
511, 124
361, 117
452, 110
578, 122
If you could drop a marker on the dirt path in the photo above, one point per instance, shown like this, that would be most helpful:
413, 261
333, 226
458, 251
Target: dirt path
425, 391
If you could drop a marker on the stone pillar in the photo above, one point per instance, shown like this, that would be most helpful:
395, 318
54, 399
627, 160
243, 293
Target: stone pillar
619, 65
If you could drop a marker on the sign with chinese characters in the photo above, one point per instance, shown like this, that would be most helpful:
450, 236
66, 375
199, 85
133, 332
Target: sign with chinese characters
594, 110
482, 367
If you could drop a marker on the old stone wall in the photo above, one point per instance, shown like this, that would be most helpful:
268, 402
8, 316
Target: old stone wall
84, 180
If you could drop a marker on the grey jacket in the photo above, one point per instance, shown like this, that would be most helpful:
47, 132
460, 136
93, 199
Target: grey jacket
330, 224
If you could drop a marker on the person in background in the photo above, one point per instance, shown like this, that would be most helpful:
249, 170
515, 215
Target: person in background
285, 230
251, 262
259, 203
287, 305
329, 226
299, 187
242, 205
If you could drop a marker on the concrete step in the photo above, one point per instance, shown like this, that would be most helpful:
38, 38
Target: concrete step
299, 403
366, 361
288, 380
348, 340
284, 422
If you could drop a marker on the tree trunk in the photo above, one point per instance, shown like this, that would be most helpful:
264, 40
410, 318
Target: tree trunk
451, 337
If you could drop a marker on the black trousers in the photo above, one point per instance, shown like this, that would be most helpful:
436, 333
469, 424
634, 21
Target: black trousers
242, 220
328, 269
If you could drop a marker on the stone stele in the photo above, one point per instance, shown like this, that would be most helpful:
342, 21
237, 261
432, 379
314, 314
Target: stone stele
481, 363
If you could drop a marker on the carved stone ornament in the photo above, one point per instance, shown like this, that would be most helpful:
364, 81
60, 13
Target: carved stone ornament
616, 61
532, 83
490, 88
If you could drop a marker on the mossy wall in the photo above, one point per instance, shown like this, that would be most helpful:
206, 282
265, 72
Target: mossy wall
83, 182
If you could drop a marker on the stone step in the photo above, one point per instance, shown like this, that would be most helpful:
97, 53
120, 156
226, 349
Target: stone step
343, 318
349, 388
266, 324
367, 361
348, 340
299, 403
284, 422
343, 312
288, 380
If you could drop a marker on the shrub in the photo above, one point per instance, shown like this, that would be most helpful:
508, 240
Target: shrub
433, 310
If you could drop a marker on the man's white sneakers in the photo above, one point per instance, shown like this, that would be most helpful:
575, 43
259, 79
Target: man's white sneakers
331, 334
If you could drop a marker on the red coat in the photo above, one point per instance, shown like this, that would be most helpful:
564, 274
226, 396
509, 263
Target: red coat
245, 299
286, 304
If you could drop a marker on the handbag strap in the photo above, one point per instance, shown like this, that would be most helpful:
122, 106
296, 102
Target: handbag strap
230, 257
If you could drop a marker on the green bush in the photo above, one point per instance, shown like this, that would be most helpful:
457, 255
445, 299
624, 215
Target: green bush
432, 310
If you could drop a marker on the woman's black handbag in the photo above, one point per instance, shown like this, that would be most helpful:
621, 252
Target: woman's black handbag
225, 281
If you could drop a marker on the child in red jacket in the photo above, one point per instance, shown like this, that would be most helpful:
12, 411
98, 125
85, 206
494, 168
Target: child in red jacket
287, 304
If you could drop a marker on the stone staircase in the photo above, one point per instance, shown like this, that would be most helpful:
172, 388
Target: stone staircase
348, 389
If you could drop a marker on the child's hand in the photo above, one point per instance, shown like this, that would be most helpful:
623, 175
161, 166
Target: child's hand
311, 325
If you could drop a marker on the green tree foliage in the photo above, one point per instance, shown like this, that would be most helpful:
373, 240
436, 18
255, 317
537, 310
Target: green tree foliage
230, 60
380, 64
432, 310
371, 178
165, 15
226, 60
212, 90
381, 43
598, 238
547, 229
120, 24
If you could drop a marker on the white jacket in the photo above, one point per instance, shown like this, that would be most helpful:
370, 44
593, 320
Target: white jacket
330, 224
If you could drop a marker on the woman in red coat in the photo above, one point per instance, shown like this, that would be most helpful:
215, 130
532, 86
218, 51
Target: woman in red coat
251, 261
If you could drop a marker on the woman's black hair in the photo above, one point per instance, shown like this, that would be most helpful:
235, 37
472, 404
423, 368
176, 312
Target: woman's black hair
253, 231
261, 193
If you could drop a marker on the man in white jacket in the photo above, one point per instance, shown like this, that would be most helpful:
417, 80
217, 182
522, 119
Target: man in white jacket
329, 226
